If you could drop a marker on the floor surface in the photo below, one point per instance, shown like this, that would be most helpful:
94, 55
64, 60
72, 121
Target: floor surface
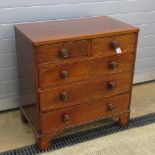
135, 141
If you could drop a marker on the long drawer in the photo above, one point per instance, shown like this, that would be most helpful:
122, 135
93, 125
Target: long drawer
81, 70
79, 114
71, 94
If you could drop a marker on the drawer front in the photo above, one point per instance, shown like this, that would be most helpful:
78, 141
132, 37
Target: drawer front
107, 46
85, 90
79, 114
80, 70
61, 52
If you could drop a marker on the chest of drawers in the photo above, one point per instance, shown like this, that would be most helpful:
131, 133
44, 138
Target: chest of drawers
74, 71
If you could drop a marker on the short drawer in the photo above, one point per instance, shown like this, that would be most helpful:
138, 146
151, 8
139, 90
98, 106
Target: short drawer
60, 52
82, 70
107, 46
71, 94
79, 114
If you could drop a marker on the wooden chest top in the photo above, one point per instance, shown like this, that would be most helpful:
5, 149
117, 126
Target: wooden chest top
42, 33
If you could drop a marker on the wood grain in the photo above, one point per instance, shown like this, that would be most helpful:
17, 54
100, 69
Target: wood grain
84, 90
74, 29
51, 53
84, 69
83, 113
73, 73
103, 46
27, 80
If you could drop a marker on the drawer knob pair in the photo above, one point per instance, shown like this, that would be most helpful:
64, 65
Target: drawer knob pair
64, 54
112, 85
64, 96
66, 117
64, 74
113, 65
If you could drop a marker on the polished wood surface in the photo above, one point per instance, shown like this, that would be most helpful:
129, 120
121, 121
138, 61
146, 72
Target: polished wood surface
103, 46
85, 90
54, 53
84, 69
56, 120
42, 33
27, 79
75, 71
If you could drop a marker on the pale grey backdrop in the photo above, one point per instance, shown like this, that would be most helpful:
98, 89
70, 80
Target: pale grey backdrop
137, 12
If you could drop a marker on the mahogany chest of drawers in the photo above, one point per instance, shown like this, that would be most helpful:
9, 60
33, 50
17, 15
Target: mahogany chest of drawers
72, 72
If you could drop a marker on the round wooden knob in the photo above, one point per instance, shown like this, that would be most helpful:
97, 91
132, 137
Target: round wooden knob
64, 96
65, 118
111, 85
64, 74
115, 44
113, 65
64, 53
111, 107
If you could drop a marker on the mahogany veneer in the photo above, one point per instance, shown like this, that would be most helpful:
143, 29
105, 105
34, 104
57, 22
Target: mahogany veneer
75, 71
